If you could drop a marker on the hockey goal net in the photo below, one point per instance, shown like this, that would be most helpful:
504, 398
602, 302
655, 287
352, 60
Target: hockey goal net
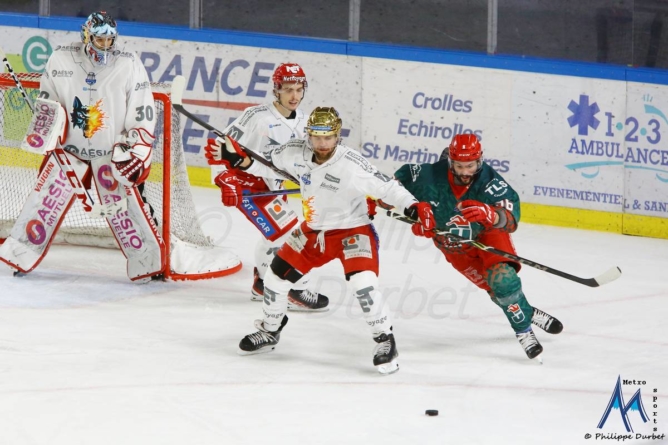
192, 255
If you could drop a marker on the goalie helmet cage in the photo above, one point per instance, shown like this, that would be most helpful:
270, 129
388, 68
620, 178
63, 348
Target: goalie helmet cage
191, 254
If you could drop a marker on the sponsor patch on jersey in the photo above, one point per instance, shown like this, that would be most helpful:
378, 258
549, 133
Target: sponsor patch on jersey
235, 133
329, 187
297, 240
306, 178
142, 85
357, 246
250, 209
331, 178
280, 212
382, 176
62, 73
496, 188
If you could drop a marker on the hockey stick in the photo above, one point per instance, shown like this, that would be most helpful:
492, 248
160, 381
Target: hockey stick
178, 85
604, 278
272, 193
95, 210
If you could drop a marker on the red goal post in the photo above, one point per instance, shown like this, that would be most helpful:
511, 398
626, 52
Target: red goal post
192, 254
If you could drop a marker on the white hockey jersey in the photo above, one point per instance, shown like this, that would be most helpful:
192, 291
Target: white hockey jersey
262, 128
101, 101
334, 193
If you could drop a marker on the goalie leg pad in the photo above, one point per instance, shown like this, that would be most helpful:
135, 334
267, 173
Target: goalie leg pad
42, 214
374, 308
135, 230
271, 215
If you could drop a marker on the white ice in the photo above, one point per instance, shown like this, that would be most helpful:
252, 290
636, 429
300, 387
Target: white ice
87, 357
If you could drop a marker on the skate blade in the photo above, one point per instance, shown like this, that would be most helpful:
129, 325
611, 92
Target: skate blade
388, 368
538, 359
257, 351
256, 297
297, 308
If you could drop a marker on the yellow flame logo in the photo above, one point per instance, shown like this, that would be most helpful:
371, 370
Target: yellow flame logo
308, 210
96, 119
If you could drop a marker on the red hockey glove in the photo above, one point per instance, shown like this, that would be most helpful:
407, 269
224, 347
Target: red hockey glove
230, 188
451, 245
371, 204
224, 152
422, 212
476, 211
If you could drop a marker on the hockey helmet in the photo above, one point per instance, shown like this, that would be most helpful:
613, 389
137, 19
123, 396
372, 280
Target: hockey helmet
288, 72
465, 148
324, 121
99, 25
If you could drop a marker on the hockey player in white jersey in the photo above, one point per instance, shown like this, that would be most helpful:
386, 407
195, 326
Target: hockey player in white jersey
334, 181
262, 128
107, 97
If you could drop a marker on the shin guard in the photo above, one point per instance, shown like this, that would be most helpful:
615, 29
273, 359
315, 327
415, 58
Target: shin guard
275, 302
507, 294
376, 315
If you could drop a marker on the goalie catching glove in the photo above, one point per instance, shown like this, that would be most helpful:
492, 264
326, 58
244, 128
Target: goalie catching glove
131, 157
226, 152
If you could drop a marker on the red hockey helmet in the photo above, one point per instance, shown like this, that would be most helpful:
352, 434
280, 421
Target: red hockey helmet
288, 72
465, 148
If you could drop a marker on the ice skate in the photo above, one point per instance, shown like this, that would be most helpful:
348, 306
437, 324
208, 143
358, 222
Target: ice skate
257, 291
307, 301
546, 322
385, 354
262, 340
530, 343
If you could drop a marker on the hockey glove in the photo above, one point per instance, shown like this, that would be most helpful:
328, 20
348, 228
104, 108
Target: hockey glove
425, 217
226, 152
131, 157
371, 205
230, 188
476, 211
450, 245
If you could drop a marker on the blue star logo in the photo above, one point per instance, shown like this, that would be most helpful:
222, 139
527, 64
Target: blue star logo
583, 115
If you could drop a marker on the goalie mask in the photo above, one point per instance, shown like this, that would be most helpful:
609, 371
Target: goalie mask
465, 148
98, 35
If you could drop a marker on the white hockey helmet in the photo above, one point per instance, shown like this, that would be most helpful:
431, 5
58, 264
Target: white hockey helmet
99, 27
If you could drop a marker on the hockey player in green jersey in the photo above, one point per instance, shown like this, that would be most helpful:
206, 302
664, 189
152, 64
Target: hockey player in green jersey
470, 199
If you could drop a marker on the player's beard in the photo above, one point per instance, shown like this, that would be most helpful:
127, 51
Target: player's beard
463, 179
321, 158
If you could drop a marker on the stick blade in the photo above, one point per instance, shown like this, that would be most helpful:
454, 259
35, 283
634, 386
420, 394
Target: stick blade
178, 85
608, 276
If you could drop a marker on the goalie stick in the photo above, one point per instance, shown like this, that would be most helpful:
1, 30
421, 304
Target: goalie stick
606, 277
178, 85
94, 209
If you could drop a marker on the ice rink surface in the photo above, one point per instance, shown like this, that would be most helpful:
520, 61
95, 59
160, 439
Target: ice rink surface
87, 357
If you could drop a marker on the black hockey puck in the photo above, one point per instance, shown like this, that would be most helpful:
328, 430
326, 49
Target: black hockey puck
431, 412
